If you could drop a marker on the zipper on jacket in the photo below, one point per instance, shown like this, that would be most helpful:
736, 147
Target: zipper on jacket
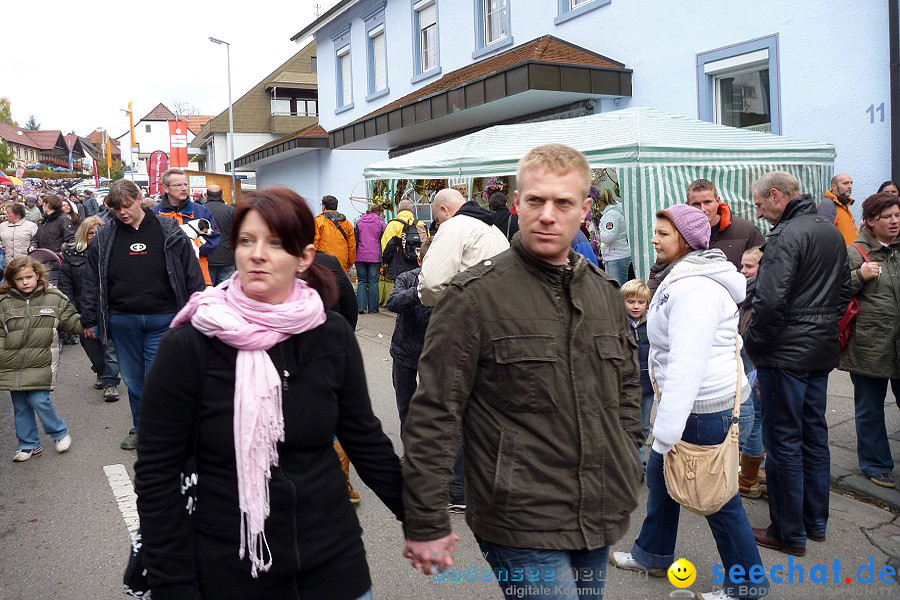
26, 338
293, 515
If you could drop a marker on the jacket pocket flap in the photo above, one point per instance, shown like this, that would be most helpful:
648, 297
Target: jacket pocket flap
519, 348
609, 346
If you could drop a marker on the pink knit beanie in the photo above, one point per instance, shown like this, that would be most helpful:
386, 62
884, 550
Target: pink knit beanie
691, 223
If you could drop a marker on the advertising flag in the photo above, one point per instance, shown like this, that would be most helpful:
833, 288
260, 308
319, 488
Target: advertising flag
178, 143
159, 162
96, 176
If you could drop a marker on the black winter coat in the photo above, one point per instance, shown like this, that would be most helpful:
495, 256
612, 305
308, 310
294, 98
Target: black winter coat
312, 530
223, 254
346, 304
506, 222
56, 230
412, 319
71, 275
182, 266
802, 290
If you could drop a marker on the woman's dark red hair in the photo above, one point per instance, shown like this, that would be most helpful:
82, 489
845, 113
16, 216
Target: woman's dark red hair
287, 215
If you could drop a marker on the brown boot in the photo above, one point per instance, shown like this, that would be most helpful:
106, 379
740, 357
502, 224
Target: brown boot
345, 466
748, 478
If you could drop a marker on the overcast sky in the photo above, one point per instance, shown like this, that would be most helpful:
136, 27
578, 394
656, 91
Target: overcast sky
73, 65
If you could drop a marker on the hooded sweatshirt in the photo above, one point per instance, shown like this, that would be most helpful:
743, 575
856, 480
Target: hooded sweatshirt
692, 326
465, 239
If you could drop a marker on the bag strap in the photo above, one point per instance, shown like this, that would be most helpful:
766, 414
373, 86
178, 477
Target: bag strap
736, 413
339, 228
862, 251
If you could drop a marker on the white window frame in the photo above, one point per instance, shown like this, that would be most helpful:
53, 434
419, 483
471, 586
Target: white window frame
422, 69
483, 44
344, 83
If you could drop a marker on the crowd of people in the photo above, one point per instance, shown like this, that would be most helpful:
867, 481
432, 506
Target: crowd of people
525, 376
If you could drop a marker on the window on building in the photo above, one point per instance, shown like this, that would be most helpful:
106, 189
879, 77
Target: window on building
344, 79
739, 86
147, 128
313, 64
491, 26
496, 20
377, 60
427, 36
294, 103
569, 9
18, 153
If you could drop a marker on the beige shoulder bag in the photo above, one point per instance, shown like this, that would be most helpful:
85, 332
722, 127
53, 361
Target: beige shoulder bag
703, 478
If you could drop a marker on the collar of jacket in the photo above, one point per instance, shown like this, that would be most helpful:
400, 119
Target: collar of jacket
724, 216
830, 195
52, 216
554, 275
868, 239
166, 205
798, 206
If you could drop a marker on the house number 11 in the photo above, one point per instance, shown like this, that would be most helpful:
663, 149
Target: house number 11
873, 109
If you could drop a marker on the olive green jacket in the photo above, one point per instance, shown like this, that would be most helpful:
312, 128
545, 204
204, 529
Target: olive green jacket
874, 348
29, 343
538, 363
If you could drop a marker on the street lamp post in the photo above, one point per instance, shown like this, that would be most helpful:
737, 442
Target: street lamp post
230, 116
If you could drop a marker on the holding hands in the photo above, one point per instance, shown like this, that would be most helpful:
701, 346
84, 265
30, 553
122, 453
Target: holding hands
431, 555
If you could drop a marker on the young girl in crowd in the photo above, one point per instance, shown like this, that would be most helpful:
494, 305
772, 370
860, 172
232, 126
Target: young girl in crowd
31, 310
752, 478
637, 300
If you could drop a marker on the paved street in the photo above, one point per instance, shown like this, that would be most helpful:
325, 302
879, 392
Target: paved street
63, 535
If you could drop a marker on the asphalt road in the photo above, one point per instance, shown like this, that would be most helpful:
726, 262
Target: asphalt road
63, 534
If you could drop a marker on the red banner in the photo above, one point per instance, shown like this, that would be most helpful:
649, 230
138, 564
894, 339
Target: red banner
178, 144
20, 172
96, 175
158, 164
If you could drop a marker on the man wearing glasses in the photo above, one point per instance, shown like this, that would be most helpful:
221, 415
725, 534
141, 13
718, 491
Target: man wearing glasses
175, 204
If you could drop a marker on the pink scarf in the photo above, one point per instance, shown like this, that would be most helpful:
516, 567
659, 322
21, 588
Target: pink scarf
253, 327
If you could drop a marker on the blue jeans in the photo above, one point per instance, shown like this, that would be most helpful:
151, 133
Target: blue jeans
136, 338
872, 446
367, 286
752, 446
617, 269
28, 403
219, 273
798, 463
103, 359
547, 574
655, 546
646, 410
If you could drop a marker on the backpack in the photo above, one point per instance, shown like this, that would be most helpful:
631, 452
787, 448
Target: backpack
845, 325
413, 239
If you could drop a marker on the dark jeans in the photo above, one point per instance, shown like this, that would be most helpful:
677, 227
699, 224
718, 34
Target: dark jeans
457, 487
219, 273
367, 286
404, 388
103, 359
136, 338
547, 574
655, 546
872, 446
646, 411
798, 464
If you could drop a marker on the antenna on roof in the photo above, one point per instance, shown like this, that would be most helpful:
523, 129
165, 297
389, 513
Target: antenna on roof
318, 10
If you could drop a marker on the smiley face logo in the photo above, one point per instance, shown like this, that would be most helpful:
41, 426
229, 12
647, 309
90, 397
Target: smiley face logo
682, 573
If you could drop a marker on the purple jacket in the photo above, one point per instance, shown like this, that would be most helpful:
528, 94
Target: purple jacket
368, 238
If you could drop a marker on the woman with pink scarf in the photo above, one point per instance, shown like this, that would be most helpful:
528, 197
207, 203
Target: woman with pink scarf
254, 381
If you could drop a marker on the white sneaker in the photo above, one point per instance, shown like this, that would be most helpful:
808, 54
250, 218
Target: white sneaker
716, 595
23, 455
624, 560
63, 443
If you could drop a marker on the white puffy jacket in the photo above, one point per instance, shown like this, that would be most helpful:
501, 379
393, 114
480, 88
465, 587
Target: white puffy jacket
614, 234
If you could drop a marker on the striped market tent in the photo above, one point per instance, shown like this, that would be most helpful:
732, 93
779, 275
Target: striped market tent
656, 156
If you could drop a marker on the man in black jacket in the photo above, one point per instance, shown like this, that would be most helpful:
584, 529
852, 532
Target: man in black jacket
141, 270
802, 290
504, 220
732, 235
221, 259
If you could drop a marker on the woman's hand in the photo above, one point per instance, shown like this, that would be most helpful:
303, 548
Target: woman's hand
869, 270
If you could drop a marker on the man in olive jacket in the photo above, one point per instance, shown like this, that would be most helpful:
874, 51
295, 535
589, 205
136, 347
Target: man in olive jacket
531, 350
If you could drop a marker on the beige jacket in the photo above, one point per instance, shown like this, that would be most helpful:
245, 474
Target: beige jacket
16, 238
461, 241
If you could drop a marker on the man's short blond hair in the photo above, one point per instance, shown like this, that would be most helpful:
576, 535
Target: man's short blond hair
557, 159
168, 175
635, 289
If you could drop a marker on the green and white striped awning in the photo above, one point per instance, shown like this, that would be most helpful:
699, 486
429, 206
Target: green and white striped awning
656, 154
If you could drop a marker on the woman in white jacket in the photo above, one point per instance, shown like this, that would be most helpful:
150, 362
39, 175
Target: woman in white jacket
692, 328
616, 252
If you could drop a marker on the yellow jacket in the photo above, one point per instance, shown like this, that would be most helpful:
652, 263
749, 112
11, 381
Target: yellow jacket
395, 228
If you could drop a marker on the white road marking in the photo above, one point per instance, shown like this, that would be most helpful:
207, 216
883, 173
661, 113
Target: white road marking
123, 490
